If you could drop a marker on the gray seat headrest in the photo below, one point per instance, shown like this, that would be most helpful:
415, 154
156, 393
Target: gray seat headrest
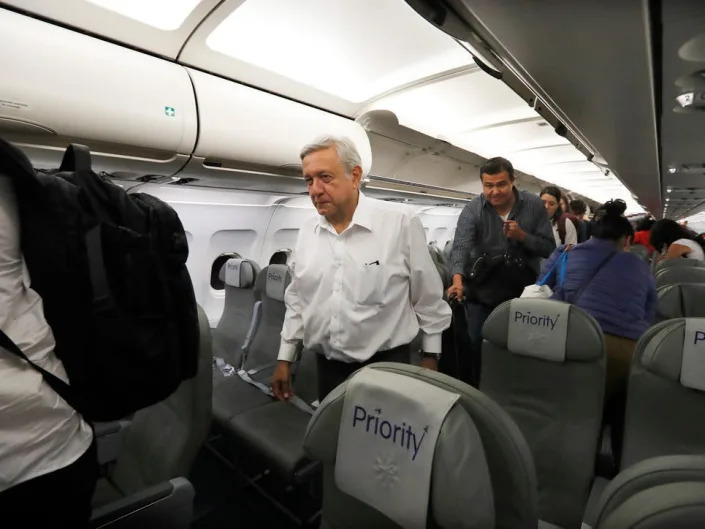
673, 275
678, 263
683, 300
277, 279
672, 352
239, 273
584, 340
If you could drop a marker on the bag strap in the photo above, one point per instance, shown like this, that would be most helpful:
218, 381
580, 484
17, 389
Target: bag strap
558, 262
62, 388
592, 276
76, 158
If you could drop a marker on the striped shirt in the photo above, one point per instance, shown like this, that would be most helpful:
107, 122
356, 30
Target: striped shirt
480, 231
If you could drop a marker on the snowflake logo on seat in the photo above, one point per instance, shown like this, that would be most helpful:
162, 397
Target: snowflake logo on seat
386, 470
536, 338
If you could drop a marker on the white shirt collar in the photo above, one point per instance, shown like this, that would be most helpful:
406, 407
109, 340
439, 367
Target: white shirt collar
361, 216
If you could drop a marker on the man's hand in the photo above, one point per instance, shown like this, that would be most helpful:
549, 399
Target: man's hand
281, 381
429, 362
512, 230
456, 290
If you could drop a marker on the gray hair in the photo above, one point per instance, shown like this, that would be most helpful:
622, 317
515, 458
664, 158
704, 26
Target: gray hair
347, 153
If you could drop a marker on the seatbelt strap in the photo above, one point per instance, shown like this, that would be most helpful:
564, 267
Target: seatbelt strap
294, 399
254, 321
59, 386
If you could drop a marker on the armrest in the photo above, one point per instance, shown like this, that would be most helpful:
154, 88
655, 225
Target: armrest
168, 504
109, 438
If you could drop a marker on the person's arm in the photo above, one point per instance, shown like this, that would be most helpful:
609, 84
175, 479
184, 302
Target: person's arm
291, 338
541, 243
677, 250
426, 291
465, 236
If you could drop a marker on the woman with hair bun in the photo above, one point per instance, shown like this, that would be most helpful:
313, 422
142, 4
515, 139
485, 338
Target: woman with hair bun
618, 290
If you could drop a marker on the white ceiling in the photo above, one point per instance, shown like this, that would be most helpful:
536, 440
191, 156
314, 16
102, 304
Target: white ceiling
348, 57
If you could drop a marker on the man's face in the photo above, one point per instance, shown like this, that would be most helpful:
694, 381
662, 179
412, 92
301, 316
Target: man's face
330, 189
498, 189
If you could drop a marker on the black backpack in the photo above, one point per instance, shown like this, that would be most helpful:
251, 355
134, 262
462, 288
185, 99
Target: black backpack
111, 271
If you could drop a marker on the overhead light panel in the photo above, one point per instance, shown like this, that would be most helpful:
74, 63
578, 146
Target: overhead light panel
352, 49
162, 15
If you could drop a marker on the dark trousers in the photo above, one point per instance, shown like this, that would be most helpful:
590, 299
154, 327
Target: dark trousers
475, 316
57, 500
332, 373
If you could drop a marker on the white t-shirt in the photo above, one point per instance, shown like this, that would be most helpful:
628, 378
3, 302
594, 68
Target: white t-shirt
696, 251
39, 431
571, 235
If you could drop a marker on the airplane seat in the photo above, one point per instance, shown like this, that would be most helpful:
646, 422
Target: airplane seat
481, 470
678, 263
642, 476
681, 300
276, 431
544, 362
158, 450
240, 312
247, 388
447, 250
666, 392
679, 274
678, 505
640, 251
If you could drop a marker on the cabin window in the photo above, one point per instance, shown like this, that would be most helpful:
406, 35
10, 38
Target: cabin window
216, 282
280, 256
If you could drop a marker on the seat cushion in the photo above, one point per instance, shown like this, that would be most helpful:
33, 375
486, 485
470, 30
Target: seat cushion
276, 432
233, 396
105, 493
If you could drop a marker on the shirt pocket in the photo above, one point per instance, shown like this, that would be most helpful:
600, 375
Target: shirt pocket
367, 283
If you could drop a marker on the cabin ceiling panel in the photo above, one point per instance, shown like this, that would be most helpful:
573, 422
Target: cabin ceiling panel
590, 62
683, 129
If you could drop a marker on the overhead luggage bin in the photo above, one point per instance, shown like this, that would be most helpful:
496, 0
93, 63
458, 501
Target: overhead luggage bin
256, 136
160, 29
137, 113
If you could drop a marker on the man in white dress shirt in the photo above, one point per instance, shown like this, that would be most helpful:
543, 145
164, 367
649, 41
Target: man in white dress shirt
363, 283
48, 462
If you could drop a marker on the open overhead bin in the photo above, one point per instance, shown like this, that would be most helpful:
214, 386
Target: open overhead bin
136, 112
255, 137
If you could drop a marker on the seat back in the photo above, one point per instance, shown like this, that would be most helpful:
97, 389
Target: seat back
479, 447
681, 300
162, 441
556, 403
679, 274
645, 475
678, 505
678, 263
640, 251
664, 410
271, 284
239, 318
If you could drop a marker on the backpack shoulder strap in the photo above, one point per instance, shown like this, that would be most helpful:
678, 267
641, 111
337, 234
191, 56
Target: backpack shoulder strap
58, 385
76, 158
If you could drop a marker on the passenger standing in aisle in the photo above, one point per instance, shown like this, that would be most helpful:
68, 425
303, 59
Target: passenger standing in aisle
48, 462
500, 238
363, 282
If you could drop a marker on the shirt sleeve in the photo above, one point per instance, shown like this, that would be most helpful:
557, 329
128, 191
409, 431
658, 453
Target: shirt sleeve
426, 290
541, 243
293, 329
463, 241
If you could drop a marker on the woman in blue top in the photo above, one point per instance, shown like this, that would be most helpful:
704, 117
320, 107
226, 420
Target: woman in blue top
618, 290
